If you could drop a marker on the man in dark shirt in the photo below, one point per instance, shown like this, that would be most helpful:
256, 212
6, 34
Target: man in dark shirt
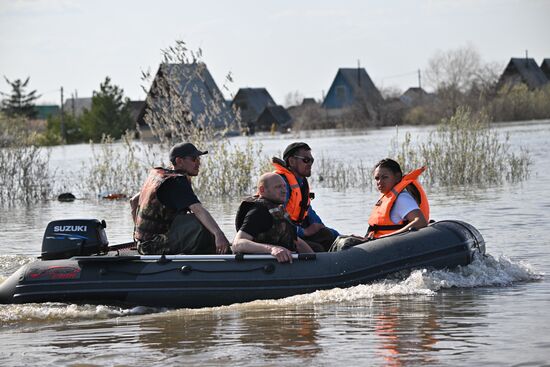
263, 225
168, 216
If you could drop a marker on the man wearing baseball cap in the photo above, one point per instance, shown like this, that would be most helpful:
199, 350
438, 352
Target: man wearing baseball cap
168, 216
295, 168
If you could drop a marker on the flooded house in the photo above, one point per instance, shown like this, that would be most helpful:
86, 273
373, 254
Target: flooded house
274, 118
259, 112
75, 106
545, 67
353, 88
522, 70
186, 93
416, 96
44, 111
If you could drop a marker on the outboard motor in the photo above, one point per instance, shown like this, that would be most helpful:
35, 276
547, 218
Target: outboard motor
74, 237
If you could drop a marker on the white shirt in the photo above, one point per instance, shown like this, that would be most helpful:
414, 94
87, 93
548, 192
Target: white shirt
404, 204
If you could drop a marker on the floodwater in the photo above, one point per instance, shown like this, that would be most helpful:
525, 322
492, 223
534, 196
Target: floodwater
493, 312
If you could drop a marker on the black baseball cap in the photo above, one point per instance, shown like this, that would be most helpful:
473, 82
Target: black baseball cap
184, 150
293, 148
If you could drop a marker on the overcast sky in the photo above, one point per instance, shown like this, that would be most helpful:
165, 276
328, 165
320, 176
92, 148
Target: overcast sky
283, 45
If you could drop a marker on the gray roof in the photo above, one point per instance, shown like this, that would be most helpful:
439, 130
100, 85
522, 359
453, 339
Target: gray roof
202, 100
136, 109
251, 102
362, 84
523, 70
76, 106
277, 115
414, 96
309, 101
545, 67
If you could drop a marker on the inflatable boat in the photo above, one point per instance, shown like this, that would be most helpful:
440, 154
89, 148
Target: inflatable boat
78, 266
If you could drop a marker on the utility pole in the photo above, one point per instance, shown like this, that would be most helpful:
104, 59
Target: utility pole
62, 128
419, 80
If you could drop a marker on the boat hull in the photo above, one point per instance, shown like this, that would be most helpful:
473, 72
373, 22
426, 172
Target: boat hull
202, 281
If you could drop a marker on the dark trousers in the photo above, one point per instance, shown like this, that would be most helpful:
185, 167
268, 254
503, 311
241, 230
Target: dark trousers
321, 241
186, 236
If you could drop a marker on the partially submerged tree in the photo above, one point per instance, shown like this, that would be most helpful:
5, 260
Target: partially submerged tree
19, 102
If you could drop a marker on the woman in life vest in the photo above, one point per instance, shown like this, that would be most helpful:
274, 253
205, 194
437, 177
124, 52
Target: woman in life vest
403, 205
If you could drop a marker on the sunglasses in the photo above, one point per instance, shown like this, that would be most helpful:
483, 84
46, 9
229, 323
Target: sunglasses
306, 160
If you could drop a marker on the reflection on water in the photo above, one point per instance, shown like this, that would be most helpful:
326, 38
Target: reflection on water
493, 312
394, 331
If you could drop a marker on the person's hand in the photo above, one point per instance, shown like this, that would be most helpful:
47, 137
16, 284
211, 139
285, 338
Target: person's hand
222, 244
282, 254
312, 229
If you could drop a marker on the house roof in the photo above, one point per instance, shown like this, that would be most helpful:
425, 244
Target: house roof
76, 106
273, 116
197, 90
45, 111
278, 113
415, 95
545, 67
525, 68
362, 83
309, 101
136, 108
252, 102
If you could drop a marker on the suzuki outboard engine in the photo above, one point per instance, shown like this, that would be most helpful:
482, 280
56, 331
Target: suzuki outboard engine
74, 237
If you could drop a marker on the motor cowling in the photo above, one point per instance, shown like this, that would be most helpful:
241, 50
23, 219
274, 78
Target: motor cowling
66, 238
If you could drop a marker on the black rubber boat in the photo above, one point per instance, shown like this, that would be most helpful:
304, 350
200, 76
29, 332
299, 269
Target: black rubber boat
98, 277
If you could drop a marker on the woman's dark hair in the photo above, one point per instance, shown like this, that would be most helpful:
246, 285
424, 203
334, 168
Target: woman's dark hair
395, 168
391, 165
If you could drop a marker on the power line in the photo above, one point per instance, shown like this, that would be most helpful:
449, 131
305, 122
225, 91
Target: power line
400, 75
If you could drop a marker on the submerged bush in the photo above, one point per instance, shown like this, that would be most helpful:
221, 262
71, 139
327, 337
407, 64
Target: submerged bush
517, 102
227, 169
115, 169
465, 150
339, 175
24, 175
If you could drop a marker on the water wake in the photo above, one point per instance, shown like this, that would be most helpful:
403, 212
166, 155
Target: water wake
484, 271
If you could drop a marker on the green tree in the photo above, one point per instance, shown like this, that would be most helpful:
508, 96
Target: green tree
73, 130
109, 114
19, 103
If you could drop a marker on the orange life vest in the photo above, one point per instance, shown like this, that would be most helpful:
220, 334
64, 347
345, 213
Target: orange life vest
298, 201
380, 222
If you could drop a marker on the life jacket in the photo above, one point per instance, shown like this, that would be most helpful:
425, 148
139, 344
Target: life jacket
282, 232
380, 222
299, 198
152, 216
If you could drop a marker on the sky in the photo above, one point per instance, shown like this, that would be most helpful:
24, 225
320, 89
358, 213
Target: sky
284, 45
